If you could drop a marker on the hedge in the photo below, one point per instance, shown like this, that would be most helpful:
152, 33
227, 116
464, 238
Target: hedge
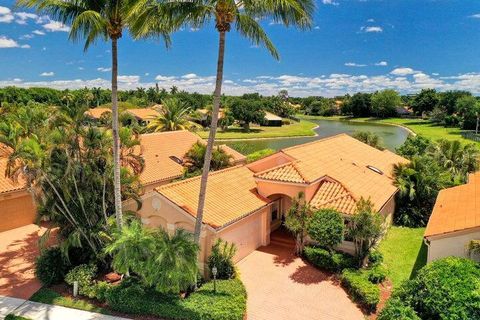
229, 303
360, 288
396, 309
323, 259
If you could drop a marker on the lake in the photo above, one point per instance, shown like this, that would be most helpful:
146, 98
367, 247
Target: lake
392, 136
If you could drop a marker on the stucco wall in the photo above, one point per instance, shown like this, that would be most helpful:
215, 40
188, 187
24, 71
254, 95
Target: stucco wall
388, 210
452, 245
16, 210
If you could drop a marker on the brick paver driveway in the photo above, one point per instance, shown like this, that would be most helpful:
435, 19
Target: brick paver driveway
282, 286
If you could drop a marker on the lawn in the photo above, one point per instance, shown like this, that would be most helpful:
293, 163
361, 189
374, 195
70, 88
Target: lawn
404, 253
49, 296
302, 128
419, 126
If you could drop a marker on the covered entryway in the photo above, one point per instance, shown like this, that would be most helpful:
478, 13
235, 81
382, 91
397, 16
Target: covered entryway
282, 286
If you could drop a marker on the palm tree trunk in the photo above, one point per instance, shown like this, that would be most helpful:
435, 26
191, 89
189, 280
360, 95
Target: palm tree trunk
211, 137
116, 138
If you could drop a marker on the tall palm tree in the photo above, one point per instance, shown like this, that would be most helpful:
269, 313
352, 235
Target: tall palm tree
244, 15
94, 20
173, 116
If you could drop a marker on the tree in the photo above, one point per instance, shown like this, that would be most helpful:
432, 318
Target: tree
448, 99
173, 116
425, 101
222, 259
326, 227
95, 20
469, 109
369, 138
384, 103
415, 145
195, 158
359, 105
297, 221
366, 229
243, 14
321, 107
247, 111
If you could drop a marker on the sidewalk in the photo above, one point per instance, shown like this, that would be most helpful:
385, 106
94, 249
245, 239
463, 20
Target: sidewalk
41, 311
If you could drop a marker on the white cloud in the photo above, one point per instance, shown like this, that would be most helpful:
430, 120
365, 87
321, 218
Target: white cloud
129, 79
476, 16
332, 2
371, 29
316, 28
47, 74
22, 17
38, 32
56, 26
382, 63
190, 76
102, 69
370, 20
81, 68
10, 43
403, 71
353, 64
26, 36
6, 15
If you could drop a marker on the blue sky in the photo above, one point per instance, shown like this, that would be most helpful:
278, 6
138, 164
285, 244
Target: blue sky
355, 45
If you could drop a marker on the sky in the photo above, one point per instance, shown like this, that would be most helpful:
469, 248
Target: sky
353, 46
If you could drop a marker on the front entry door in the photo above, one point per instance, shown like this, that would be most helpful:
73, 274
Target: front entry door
276, 215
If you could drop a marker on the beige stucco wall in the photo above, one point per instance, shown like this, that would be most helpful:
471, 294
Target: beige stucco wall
453, 244
16, 210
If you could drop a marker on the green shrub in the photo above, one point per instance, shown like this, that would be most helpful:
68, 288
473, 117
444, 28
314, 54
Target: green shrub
323, 259
375, 258
377, 274
229, 303
326, 227
51, 266
100, 290
444, 289
14, 317
360, 288
222, 258
84, 274
396, 309
257, 155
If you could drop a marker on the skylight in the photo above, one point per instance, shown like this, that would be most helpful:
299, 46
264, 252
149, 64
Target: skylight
375, 169
176, 159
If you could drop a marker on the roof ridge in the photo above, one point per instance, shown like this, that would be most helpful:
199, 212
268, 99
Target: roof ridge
166, 133
211, 173
274, 168
314, 142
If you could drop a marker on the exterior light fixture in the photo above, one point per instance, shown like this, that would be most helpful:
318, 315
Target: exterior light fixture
214, 273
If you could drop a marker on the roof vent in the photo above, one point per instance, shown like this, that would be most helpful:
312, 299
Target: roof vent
375, 169
176, 159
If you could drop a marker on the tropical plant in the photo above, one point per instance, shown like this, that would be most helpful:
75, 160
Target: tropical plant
366, 229
222, 259
297, 222
369, 138
195, 157
326, 227
415, 145
94, 20
244, 15
247, 111
173, 116
51, 266
473, 247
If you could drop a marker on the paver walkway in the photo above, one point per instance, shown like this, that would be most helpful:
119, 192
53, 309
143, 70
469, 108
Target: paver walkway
282, 286
41, 311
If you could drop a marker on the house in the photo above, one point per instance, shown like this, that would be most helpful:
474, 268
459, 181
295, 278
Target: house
143, 116
163, 153
455, 220
272, 120
97, 113
246, 203
204, 116
17, 207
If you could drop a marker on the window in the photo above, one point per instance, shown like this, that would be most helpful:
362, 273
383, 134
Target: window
276, 210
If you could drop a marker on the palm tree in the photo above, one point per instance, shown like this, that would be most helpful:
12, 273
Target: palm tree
244, 15
173, 116
93, 20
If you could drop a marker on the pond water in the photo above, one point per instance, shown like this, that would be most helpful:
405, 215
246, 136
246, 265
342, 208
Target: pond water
392, 136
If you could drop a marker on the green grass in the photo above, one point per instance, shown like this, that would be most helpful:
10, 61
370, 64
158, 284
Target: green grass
48, 296
302, 128
404, 253
14, 317
419, 126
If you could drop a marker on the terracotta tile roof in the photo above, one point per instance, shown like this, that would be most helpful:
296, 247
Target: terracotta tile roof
287, 172
231, 195
143, 114
331, 194
345, 159
157, 149
456, 208
96, 113
7, 184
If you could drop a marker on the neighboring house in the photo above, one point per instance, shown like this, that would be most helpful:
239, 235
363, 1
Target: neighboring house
205, 116
143, 116
455, 220
272, 120
163, 153
17, 207
97, 113
246, 203
403, 111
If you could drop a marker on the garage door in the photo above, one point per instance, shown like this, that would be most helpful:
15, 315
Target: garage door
16, 212
246, 234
